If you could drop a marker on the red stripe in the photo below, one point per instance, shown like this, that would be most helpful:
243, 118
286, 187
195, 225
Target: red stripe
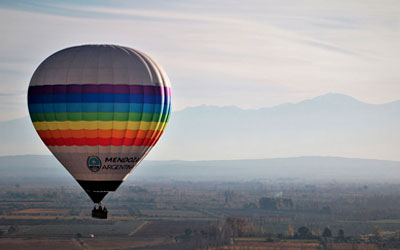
97, 142
93, 133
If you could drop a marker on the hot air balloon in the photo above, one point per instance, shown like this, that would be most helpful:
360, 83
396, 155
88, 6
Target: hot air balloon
99, 109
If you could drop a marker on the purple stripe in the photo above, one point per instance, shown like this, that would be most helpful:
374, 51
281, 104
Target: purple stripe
99, 89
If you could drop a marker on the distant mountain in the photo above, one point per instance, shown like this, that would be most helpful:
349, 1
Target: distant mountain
333, 124
18, 137
46, 170
330, 125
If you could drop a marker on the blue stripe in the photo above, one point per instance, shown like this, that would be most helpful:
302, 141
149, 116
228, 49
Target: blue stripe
96, 107
99, 98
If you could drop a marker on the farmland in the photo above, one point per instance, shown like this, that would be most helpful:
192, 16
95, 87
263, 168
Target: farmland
279, 214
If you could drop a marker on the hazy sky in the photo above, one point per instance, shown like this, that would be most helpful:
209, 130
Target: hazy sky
246, 53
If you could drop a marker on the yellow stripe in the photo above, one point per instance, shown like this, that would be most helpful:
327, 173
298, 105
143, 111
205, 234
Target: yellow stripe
54, 125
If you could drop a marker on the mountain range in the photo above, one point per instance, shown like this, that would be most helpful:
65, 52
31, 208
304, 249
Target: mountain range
45, 169
328, 125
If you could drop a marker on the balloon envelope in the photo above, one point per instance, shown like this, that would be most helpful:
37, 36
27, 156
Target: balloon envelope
99, 109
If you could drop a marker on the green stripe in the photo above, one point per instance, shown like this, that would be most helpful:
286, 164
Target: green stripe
98, 116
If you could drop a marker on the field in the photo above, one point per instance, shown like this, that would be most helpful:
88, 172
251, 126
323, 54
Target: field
37, 244
170, 215
36, 211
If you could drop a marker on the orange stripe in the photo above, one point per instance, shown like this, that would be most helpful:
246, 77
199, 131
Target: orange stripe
96, 133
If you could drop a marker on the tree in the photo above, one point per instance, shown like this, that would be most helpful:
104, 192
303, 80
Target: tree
326, 209
304, 231
250, 205
340, 233
217, 235
397, 235
12, 229
287, 203
290, 231
254, 230
188, 232
228, 196
378, 233
237, 225
327, 233
197, 240
268, 203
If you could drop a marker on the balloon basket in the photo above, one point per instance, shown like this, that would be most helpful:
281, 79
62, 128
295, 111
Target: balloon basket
99, 212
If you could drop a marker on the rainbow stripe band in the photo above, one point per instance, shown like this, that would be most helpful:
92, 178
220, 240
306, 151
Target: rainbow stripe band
99, 114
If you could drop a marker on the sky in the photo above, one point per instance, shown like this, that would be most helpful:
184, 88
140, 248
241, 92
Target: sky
249, 54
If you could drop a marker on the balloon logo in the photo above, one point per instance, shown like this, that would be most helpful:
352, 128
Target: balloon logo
94, 163
99, 109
